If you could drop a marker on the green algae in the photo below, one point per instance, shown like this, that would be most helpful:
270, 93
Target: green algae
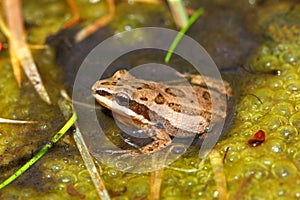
279, 120
24, 104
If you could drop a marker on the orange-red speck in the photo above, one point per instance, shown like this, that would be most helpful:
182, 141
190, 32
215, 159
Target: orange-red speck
258, 138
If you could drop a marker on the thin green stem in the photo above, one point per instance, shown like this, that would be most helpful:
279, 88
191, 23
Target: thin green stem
179, 36
35, 158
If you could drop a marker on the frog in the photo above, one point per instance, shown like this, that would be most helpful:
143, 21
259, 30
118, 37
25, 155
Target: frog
162, 110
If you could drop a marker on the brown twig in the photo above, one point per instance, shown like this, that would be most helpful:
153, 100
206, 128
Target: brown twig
98, 24
75, 12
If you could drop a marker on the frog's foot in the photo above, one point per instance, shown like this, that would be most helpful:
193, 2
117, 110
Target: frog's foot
161, 140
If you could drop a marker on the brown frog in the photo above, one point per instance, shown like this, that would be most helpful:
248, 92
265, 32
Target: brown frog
161, 110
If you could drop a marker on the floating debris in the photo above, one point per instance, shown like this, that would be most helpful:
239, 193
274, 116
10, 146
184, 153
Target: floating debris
12, 121
258, 138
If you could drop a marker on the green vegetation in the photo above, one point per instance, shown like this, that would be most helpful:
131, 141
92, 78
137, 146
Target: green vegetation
41, 152
176, 41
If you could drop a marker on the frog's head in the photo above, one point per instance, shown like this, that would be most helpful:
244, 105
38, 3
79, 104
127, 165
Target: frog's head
108, 90
117, 94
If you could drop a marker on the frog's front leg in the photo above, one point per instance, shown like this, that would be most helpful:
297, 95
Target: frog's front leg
161, 139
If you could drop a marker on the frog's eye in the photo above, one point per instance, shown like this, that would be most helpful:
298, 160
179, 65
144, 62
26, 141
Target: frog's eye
122, 99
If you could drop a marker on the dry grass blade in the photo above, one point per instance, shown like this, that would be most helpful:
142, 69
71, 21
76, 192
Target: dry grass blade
83, 150
158, 164
16, 66
179, 13
19, 47
12, 121
13, 58
219, 176
155, 184
98, 24
90, 165
156, 176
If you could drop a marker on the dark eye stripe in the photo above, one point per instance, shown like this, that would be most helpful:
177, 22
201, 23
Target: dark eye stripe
108, 83
103, 93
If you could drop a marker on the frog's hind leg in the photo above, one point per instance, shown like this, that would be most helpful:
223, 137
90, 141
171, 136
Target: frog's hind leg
161, 140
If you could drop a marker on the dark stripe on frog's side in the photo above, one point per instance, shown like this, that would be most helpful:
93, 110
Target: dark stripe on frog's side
139, 109
150, 115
